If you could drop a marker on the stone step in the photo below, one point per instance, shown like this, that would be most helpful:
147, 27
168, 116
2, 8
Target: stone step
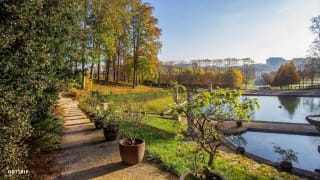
76, 122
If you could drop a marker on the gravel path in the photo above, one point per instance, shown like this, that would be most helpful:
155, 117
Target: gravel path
86, 155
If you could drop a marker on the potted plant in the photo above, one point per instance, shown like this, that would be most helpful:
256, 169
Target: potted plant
89, 104
243, 109
208, 112
99, 119
131, 147
287, 156
107, 119
239, 140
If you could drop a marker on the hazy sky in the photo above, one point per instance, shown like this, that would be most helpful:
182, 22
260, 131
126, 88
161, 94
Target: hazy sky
258, 29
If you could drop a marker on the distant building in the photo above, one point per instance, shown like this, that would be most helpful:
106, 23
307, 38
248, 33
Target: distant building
299, 62
275, 62
263, 68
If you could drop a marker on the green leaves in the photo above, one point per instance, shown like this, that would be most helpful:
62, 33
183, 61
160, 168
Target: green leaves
208, 111
33, 60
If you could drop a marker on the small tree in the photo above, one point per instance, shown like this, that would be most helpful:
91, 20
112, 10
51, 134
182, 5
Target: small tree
267, 77
286, 75
232, 78
209, 111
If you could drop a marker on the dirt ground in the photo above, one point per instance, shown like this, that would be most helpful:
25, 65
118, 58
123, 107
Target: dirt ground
86, 155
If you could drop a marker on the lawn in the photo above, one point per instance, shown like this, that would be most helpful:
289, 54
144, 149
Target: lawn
162, 146
113, 88
152, 100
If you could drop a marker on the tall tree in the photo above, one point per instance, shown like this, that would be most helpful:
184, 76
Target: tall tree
144, 36
312, 68
315, 28
248, 70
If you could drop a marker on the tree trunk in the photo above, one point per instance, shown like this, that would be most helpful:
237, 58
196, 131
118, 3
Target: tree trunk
76, 70
91, 71
83, 74
210, 162
99, 59
106, 79
190, 118
114, 67
134, 83
98, 71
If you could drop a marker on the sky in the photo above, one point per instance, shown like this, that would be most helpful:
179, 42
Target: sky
213, 29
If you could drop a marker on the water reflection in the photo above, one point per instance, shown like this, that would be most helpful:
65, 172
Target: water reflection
285, 154
312, 104
238, 140
290, 103
293, 109
262, 144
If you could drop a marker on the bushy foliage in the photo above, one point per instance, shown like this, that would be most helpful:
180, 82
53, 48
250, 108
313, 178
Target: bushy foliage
91, 101
33, 49
230, 78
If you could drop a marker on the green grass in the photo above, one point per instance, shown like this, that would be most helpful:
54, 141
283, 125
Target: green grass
158, 105
119, 99
151, 102
161, 146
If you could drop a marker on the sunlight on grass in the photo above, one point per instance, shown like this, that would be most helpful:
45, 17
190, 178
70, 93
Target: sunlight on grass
162, 147
158, 105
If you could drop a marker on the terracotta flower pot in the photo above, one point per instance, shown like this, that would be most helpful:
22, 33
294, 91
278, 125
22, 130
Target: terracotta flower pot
111, 132
286, 166
211, 176
131, 154
91, 116
240, 150
239, 123
98, 124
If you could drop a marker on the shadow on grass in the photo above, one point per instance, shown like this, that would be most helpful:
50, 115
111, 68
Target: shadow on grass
150, 133
93, 172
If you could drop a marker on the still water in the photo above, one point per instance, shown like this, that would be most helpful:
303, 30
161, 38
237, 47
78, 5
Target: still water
285, 108
263, 144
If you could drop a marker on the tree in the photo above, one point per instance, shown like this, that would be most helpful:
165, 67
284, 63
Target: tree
248, 70
312, 68
232, 78
207, 114
268, 77
144, 36
315, 28
286, 75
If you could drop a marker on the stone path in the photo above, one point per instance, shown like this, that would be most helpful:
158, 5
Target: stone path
86, 155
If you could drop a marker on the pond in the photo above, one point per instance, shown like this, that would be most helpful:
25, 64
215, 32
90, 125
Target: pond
289, 109
263, 144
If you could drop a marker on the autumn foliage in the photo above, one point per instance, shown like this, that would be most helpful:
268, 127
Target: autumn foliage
286, 75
